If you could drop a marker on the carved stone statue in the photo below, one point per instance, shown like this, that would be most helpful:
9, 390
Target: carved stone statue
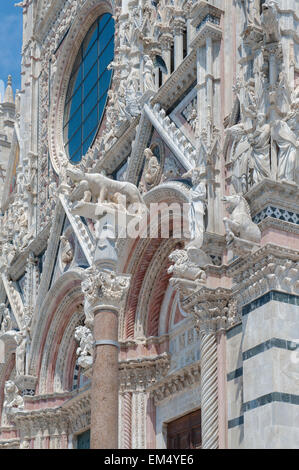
152, 168
239, 157
104, 190
184, 268
260, 143
21, 338
197, 197
12, 400
6, 324
269, 21
239, 224
188, 263
288, 151
148, 78
251, 12
85, 351
67, 253
132, 93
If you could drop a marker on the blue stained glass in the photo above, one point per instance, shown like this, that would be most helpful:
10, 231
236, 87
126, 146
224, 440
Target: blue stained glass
74, 121
104, 81
107, 34
76, 101
90, 101
91, 58
105, 58
89, 40
101, 105
103, 21
89, 123
76, 158
75, 142
91, 79
78, 76
88, 88
88, 142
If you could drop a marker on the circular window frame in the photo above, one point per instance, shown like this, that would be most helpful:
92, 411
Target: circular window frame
65, 63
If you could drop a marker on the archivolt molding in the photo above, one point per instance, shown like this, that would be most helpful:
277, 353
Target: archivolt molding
137, 263
67, 352
149, 287
62, 298
54, 336
167, 192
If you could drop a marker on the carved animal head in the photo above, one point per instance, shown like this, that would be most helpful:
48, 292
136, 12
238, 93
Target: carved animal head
234, 201
75, 174
269, 5
10, 388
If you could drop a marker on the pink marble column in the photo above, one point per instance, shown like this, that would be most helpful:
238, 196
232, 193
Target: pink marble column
104, 390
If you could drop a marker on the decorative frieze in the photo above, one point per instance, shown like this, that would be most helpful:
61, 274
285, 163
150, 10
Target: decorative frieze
175, 383
141, 373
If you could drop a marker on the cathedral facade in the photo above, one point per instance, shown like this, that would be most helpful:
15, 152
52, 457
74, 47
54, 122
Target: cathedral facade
149, 246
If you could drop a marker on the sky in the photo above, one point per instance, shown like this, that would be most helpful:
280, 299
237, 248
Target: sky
10, 43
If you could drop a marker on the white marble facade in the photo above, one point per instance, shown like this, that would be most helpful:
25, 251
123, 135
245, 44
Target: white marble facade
202, 109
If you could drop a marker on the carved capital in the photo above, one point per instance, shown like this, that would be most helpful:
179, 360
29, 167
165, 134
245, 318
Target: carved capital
211, 317
103, 290
179, 24
213, 310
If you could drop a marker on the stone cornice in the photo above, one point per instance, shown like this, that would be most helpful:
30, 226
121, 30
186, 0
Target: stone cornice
282, 194
280, 253
208, 30
178, 82
278, 224
201, 9
278, 271
9, 444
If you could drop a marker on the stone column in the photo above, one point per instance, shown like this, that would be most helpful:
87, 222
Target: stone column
222, 396
166, 41
104, 390
105, 292
179, 27
126, 421
209, 389
211, 317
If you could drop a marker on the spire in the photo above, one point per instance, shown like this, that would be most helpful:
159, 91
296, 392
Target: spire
8, 96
